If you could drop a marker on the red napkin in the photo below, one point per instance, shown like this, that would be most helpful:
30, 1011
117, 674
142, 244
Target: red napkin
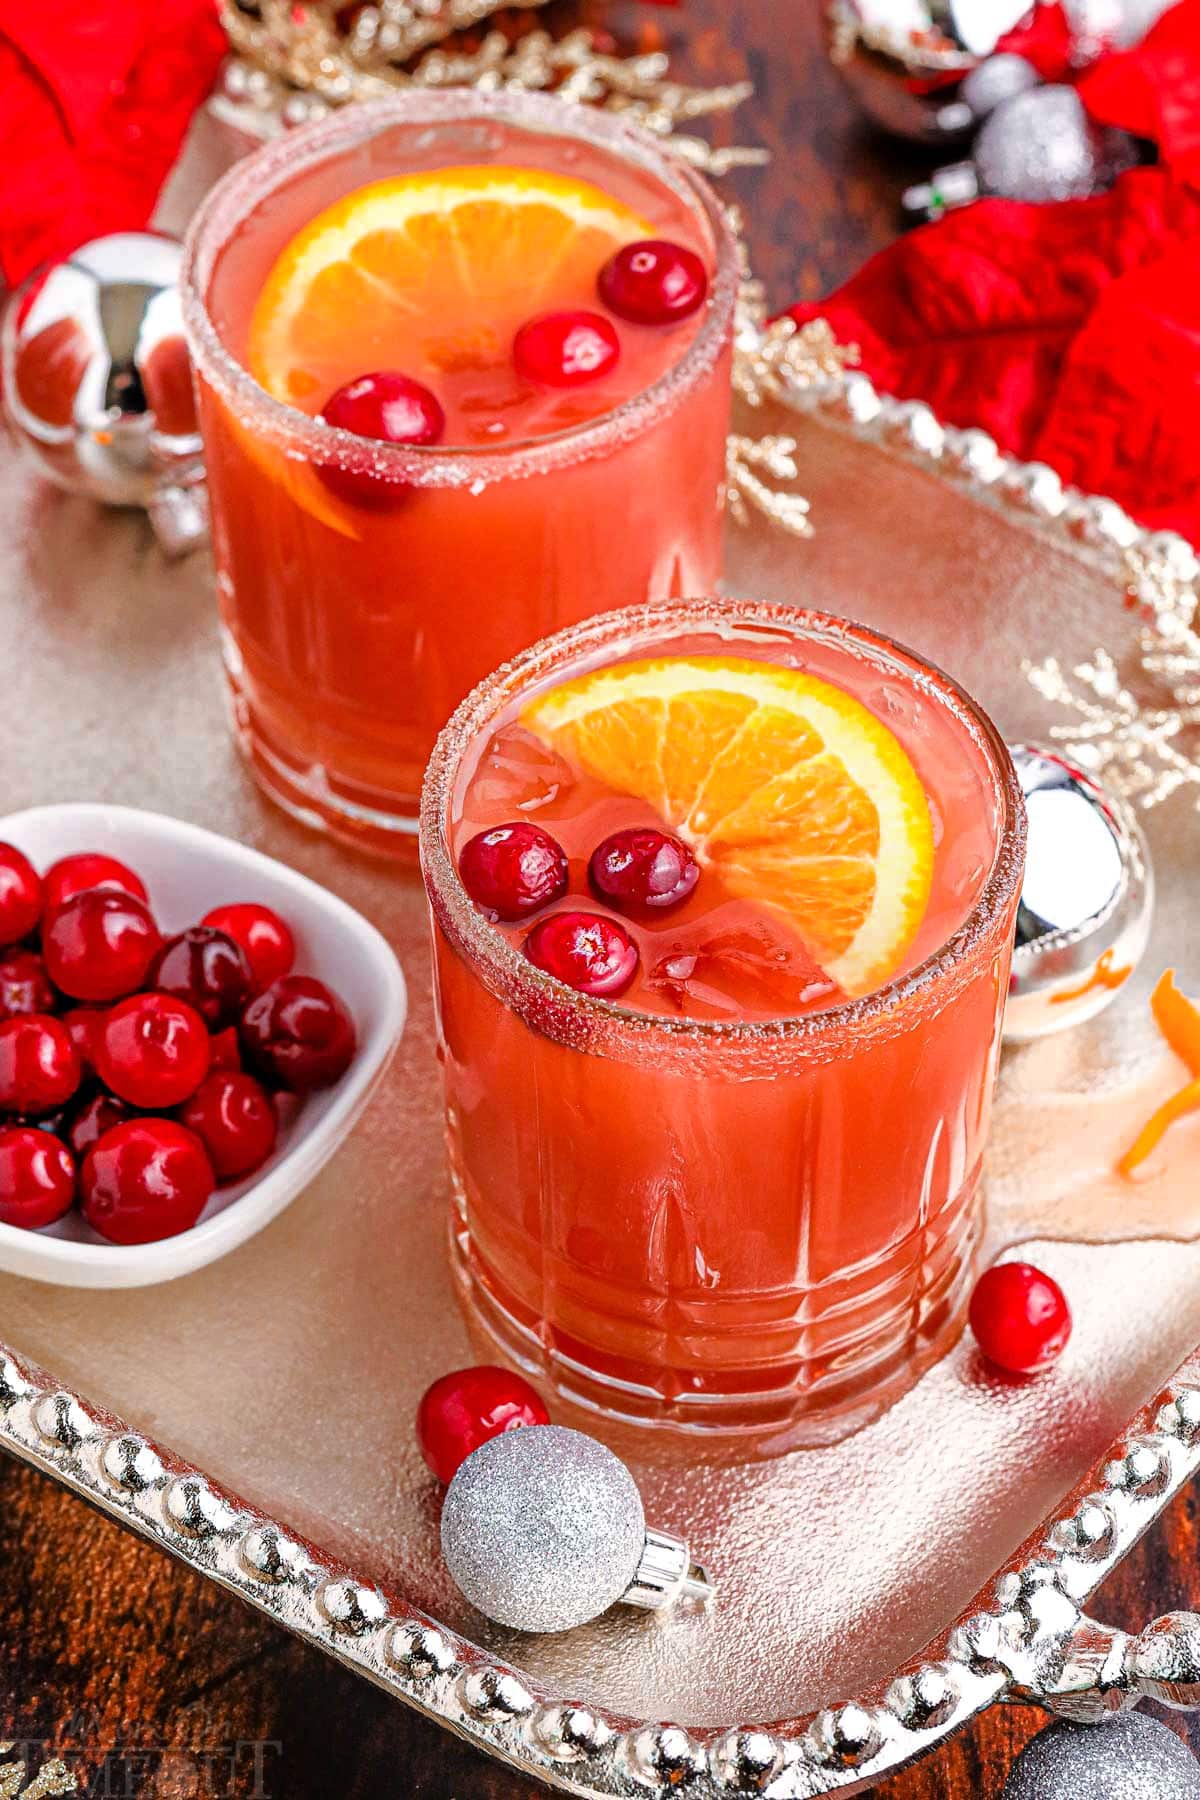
1070, 332
94, 103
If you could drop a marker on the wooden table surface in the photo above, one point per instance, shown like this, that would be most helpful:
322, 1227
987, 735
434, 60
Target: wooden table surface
150, 1680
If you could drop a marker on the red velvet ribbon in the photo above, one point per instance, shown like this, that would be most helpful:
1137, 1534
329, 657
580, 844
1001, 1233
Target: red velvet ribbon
94, 104
1069, 331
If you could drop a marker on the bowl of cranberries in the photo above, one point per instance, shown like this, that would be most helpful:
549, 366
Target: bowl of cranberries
188, 1030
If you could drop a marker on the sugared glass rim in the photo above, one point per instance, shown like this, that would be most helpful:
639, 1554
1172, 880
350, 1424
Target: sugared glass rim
607, 1026
246, 185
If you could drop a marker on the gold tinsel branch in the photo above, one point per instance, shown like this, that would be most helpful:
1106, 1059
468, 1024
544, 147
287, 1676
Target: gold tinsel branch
1146, 744
52, 1778
747, 460
311, 52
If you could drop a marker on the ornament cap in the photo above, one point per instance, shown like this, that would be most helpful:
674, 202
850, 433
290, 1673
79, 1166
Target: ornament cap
947, 188
666, 1574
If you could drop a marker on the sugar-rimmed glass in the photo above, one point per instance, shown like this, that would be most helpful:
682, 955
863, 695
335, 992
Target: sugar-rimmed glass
758, 1227
349, 635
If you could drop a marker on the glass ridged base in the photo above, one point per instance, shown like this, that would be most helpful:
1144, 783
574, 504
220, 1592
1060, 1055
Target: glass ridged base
817, 1404
308, 794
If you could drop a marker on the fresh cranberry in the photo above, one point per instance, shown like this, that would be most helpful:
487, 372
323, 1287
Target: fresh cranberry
25, 986
37, 1177
206, 968
391, 408
224, 1052
298, 1035
144, 1180
99, 944
87, 1122
1020, 1318
265, 938
653, 282
463, 1410
566, 349
39, 1068
592, 954
20, 895
642, 870
72, 875
84, 1023
234, 1118
152, 1050
511, 870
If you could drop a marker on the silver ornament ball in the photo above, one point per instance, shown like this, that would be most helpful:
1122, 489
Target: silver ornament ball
543, 1528
899, 58
1126, 1757
1040, 145
996, 80
96, 375
1087, 901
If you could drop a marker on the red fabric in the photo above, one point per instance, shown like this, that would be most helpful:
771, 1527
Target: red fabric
1070, 332
1154, 89
1044, 39
94, 103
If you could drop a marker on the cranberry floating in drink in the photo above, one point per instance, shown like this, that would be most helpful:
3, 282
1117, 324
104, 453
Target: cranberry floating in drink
716, 1112
463, 366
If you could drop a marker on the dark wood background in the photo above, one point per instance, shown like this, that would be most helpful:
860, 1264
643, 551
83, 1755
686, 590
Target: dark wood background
150, 1680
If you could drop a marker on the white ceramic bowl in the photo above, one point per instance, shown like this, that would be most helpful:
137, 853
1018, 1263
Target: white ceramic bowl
187, 872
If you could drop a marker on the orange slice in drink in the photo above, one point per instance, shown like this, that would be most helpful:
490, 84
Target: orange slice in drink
785, 785
423, 271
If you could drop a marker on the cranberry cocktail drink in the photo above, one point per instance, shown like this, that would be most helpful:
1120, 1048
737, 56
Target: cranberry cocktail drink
463, 367
723, 897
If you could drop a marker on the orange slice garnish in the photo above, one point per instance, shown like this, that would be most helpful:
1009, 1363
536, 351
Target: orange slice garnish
785, 785
428, 272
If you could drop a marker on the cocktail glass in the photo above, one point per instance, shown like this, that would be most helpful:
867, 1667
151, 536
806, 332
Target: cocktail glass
350, 632
756, 1225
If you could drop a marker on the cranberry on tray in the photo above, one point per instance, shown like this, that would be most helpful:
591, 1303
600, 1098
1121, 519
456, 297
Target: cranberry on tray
464, 1409
298, 1035
144, 1180
1019, 1318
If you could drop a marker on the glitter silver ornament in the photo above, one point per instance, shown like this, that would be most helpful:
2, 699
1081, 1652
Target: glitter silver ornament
900, 58
1127, 1757
543, 1529
1037, 146
1040, 145
1087, 901
995, 80
97, 381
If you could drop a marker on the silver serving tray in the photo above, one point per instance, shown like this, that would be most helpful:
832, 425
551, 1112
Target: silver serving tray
876, 1593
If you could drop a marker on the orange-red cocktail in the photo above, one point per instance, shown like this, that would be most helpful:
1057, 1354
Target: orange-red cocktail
365, 585
724, 898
